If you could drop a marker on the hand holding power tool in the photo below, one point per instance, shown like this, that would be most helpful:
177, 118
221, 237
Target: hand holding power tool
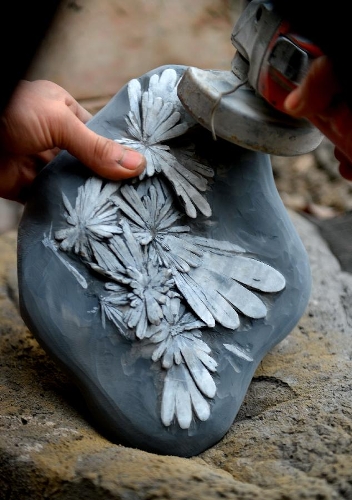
247, 104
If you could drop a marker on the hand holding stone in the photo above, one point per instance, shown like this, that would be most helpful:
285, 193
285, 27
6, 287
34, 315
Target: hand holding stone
43, 118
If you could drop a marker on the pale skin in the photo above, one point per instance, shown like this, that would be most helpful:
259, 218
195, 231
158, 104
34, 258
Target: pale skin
319, 99
41, 119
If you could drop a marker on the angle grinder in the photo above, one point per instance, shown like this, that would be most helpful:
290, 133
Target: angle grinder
245, 105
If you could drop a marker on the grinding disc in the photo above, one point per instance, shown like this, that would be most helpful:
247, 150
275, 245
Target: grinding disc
242, 117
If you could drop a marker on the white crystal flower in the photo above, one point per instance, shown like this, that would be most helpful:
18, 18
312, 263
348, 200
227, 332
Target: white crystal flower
147, 289
187, 358
157, 115
139, 285
215, 292
153, 218
93, 218
213, 277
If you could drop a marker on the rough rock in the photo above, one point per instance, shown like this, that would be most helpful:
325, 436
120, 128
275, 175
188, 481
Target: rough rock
291, 439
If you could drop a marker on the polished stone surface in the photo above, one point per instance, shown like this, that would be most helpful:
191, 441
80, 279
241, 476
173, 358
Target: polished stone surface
171, 377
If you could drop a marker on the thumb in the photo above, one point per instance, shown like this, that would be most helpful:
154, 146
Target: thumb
104, 156
317, 91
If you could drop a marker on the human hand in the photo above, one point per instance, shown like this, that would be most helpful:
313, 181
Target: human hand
41, 119
319, 99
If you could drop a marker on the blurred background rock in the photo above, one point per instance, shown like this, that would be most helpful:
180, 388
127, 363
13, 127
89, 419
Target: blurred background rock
94, 48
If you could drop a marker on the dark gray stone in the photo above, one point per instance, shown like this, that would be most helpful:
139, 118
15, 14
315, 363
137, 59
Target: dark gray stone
240, 279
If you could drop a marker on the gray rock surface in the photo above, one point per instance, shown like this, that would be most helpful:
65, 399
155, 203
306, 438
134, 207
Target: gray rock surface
291, 439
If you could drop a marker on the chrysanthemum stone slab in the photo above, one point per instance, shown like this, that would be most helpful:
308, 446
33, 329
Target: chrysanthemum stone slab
160, 296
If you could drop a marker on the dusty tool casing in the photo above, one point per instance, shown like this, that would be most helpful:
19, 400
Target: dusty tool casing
244, 105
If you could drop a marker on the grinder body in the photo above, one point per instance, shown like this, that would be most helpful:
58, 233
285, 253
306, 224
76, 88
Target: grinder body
245, 105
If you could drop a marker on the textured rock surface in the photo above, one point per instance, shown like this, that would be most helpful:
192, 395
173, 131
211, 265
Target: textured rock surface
292, 437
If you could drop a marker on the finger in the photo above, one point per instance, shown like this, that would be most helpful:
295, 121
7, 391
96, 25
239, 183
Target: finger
104, 156
316, 93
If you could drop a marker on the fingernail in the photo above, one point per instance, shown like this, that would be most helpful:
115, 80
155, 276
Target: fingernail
131, 159
293, 102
